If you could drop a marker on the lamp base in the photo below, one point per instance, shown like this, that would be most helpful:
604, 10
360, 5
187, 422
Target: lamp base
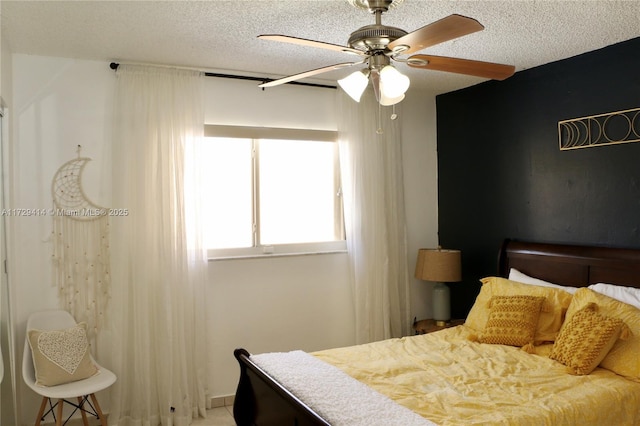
441, 304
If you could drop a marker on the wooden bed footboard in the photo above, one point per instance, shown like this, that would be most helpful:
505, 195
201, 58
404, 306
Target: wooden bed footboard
260, 400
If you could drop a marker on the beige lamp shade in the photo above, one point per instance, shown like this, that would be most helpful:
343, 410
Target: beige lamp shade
438, 265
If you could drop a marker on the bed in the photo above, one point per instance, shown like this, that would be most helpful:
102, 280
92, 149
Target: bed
469, 378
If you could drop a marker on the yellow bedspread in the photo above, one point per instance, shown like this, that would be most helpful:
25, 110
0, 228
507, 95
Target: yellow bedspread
452, 381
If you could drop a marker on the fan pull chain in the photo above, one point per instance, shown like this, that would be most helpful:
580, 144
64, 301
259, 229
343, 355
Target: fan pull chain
380, 131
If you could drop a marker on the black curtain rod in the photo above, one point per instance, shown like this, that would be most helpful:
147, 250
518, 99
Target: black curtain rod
114, 66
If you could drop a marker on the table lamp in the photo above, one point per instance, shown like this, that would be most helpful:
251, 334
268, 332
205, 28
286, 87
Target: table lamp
439, 266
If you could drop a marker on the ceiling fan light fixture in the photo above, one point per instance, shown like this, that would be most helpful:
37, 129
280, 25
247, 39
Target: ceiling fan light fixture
354, 84
393, 83
385, 101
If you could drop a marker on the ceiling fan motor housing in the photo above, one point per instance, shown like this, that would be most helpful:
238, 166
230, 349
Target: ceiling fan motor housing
374, 5
374, 37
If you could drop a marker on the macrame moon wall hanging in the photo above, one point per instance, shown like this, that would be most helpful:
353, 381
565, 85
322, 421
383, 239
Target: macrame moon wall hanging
80, 248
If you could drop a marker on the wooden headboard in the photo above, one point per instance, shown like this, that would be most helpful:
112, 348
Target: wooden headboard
571, 265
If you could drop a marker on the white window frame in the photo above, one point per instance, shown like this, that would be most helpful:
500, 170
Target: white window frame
297, 249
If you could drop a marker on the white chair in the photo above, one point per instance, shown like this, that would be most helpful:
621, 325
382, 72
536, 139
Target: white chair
80, 390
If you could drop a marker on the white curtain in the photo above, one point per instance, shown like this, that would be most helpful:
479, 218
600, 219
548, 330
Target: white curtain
158, 263
371, 166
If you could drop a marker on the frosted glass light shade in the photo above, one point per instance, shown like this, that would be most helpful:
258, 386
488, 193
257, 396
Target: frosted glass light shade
393, 84
384, 101
354, 84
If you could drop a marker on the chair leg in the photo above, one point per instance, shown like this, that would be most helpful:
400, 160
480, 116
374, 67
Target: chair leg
103, 420
41, 411
85, 422
60, 407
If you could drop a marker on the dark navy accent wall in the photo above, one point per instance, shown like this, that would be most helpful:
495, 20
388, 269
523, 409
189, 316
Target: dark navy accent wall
502, 175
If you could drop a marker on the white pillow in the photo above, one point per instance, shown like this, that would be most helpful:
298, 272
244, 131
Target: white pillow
628, 295
515, 275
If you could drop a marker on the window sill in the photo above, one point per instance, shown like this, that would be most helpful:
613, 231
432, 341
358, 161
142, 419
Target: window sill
279, 250
271, 255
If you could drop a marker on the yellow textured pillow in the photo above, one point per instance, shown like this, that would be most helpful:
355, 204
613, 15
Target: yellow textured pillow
585, 339
61, 356
512, 320
551, 317
623, 358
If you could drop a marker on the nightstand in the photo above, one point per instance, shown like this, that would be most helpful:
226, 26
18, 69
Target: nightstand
429, 325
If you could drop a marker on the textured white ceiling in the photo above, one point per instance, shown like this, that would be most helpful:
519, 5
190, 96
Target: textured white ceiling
221, 35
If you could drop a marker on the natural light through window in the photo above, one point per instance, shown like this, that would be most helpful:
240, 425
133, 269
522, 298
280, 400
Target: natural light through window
228, 205
271, 196
297, 192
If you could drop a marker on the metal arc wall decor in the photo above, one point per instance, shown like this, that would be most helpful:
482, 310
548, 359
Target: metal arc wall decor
598, 130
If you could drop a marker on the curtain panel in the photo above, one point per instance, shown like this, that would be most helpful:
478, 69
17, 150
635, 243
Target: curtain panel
371, 166
158, 262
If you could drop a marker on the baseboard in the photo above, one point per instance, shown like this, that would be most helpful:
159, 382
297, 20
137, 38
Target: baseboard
222, 401
75, 421
216, 402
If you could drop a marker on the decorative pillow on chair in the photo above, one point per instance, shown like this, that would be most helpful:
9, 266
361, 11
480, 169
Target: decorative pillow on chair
512, 320
61, 356
586, 339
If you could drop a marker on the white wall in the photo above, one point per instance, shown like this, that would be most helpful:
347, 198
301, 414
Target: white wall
254, 297
58, 105
283, 303
275, 304
7, 412
420, 165
5, 67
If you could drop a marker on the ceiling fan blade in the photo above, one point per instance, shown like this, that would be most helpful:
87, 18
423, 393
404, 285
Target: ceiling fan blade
310, 43
308, 74
462, 66
453, 26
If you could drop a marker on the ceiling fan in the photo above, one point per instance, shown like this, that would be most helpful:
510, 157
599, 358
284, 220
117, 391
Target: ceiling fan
378, 45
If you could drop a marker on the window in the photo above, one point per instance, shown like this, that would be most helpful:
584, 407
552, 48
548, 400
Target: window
271, 191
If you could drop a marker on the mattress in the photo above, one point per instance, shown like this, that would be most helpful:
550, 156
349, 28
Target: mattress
450, 380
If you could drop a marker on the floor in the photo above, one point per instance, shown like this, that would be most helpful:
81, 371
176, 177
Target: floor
221, 416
